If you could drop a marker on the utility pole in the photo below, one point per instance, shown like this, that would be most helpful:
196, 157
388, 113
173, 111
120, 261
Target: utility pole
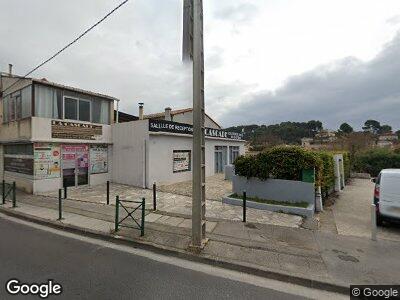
193, 49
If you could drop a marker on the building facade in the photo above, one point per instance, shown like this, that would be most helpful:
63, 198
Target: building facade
159, 151
53, 135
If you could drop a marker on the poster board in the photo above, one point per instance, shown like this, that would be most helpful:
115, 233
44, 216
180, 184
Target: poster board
181, 161
46, 161
98, 159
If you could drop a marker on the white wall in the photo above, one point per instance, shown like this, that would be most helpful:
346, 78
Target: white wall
96, 179
161, 147
129, 152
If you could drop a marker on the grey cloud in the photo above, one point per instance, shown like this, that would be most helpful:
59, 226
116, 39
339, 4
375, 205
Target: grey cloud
242, 12
395, 20
347, 90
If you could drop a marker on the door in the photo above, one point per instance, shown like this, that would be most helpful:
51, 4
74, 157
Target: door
75, 165
220, 157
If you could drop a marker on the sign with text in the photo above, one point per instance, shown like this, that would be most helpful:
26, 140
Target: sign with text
76, 131
181, 161
98, 159
47, 160
174, 127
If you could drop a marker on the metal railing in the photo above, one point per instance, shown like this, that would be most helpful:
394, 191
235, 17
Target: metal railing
129, 211
8, 191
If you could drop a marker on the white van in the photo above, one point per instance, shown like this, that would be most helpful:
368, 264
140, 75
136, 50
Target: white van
387, 196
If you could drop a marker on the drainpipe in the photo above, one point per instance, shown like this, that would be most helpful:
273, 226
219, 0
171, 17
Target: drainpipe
117, 114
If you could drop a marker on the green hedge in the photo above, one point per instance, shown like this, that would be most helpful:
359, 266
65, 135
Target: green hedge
373, 161
328, 170
281, 163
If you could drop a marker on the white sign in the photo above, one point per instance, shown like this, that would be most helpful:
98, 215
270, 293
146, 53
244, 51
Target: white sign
181, 161
98, 159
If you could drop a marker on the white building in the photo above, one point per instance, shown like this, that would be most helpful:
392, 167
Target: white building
53, 135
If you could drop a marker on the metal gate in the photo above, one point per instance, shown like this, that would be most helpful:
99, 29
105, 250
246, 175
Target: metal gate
129, 214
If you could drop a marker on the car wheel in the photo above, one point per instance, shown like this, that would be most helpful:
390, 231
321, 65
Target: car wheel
379, 221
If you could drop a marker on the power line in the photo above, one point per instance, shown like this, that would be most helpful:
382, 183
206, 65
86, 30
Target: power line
68, 45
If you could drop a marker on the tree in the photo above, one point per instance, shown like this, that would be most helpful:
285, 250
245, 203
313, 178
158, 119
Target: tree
345, 128
385, 129
398, 133
372, 126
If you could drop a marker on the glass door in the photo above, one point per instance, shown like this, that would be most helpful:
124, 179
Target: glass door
75, 165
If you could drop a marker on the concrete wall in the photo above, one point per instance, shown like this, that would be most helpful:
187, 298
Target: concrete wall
22, 181
16, 131
129, 155
96, 179
161, 147
275, 189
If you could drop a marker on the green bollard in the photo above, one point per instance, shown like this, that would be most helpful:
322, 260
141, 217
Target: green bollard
143, 211
116, 212
14, 199
59, 204
4, 191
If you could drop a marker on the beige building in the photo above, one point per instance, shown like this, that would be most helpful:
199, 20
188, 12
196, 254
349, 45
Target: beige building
53, 135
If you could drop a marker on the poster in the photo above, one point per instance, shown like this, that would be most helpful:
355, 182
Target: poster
75, 155
47, 161
181, 161
98, 159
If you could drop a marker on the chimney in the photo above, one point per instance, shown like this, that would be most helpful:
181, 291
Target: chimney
141, 110
10, 69
168, 114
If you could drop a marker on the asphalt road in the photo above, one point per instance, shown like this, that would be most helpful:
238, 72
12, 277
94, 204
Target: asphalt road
89, 271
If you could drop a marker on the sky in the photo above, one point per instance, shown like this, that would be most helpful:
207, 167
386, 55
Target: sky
266, 61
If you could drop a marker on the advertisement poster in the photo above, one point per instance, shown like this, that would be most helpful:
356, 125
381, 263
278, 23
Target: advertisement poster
75, 155
181, 161
98, 159
47, 161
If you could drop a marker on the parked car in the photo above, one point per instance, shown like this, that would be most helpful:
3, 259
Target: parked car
387, 196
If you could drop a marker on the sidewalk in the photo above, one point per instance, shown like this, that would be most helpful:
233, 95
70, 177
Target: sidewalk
177, 205
316, 259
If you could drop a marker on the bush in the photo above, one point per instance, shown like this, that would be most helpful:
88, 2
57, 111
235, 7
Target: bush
328, 172
373, 161
281, 163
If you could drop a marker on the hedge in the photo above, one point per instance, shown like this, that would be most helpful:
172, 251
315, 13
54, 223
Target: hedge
328, 171
281, 163
373, 161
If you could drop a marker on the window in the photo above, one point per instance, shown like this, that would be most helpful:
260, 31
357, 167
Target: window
84, 110
47, 102
26, 102
19, 149
234, 153
100, 111
70, 108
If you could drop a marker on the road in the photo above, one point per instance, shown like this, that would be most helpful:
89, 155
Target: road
91, 269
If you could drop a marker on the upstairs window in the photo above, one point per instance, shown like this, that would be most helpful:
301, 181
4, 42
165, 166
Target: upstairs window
84, 110
17, 105
48, 102
70, 108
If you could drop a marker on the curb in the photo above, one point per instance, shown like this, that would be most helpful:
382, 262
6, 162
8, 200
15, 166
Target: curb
306, 282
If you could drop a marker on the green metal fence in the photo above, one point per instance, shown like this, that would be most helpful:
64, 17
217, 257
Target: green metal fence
130, 207
8, 192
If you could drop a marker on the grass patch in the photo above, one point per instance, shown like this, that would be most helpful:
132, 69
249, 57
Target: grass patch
273, 202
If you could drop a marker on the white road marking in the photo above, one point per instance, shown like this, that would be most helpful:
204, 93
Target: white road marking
276, 285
